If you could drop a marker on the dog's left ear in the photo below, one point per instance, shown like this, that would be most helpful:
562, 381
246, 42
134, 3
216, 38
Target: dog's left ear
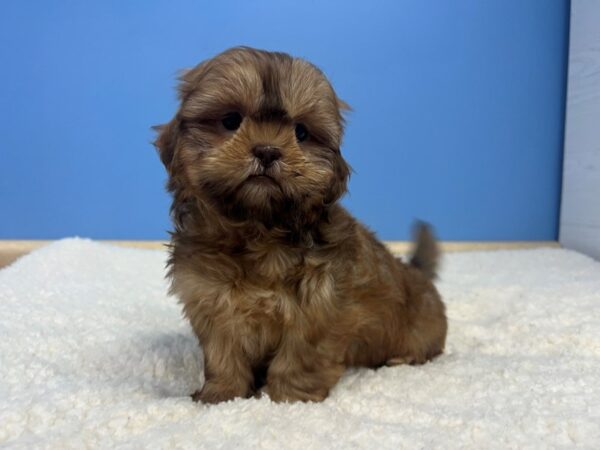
343, 110
342, 169
343, 106
166, 142
339, 184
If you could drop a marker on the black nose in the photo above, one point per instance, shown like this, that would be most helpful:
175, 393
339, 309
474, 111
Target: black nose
266, 154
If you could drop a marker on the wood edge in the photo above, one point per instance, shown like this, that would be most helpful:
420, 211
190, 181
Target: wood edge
11, 250
469, 246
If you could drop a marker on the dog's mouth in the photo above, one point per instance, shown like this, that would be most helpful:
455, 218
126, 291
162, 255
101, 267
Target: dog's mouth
262, 178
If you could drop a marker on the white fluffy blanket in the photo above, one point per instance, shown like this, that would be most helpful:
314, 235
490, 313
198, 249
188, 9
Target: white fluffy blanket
93, 353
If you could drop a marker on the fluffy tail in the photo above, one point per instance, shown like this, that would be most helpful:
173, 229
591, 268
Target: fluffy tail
426, 253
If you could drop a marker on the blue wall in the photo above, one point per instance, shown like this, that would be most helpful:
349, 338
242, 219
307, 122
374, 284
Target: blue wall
458, 108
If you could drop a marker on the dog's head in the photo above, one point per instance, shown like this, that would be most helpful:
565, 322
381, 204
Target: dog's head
257, 136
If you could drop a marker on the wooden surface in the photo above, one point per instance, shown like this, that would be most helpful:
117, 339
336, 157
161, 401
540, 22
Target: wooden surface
580, 209
11, 250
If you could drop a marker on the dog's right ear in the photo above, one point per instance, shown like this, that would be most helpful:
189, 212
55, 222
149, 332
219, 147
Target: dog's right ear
166, 142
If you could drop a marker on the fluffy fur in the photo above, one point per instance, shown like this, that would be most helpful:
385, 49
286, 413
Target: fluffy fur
283, 288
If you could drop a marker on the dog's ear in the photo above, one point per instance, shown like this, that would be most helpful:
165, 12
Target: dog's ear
343, 106
339, 183
341, 167
166, 142
343, 110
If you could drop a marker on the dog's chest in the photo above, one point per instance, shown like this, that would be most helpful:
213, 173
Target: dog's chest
266, 285
271, 265
290, 283
279, 284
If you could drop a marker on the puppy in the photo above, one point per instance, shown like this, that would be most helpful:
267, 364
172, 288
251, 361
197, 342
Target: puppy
283, 288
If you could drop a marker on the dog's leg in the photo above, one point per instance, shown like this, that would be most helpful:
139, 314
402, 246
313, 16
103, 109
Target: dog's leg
299, 372
425, 335
228, 373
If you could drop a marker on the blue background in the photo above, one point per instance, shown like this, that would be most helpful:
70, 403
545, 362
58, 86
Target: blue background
458, 108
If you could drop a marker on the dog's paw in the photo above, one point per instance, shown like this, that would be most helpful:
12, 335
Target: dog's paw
212, 393
289, 394
399, 360
196, 396
411, 359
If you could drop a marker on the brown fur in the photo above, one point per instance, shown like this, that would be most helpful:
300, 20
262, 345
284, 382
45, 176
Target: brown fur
281, 285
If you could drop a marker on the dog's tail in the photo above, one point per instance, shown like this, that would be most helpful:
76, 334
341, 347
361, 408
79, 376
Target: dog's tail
426, 253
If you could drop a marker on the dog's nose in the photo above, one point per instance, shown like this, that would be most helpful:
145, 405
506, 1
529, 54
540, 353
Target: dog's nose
267, 154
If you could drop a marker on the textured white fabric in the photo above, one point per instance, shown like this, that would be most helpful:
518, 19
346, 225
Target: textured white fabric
93, 353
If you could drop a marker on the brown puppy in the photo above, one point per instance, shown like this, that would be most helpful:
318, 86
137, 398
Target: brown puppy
281, 285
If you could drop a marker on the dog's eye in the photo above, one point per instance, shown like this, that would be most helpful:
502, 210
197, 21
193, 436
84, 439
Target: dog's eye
232, 121
301, 132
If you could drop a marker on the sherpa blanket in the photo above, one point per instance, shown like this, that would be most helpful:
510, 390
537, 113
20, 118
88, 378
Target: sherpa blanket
94, 353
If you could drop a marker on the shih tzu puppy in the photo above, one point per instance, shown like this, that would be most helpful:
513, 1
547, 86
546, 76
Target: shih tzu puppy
283, 288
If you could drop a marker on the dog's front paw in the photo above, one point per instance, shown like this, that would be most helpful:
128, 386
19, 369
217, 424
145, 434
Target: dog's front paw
196, 396
283, 392
213, 392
